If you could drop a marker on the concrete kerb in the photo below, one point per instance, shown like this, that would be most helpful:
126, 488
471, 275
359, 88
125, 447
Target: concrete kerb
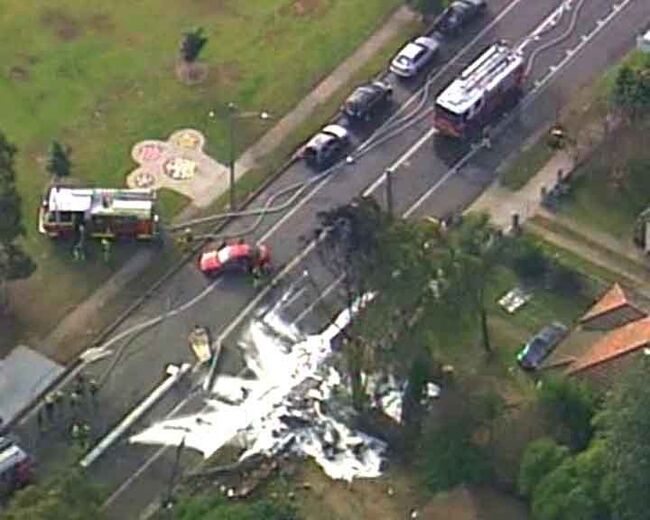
104, 334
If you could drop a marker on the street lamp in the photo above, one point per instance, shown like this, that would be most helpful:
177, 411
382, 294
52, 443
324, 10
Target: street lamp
234, 115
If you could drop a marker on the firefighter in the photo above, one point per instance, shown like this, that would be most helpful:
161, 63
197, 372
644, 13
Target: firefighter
75, 399
93, 388
106, 248
49, 407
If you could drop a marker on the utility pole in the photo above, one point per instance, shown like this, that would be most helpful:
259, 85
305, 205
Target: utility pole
389, 191
168, 502
231, 123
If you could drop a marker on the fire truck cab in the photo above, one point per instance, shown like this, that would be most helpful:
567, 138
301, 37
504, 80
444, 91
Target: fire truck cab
16, 467
494, 78
104, 213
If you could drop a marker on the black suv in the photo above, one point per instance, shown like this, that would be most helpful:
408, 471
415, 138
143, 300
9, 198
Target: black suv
367, 99
326, 147
458, 14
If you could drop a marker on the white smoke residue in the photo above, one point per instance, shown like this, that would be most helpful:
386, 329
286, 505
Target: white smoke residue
285, 407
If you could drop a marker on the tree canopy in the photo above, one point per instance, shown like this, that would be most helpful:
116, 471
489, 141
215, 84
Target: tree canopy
58, 161
192, 44
631, 92
625, 426
14, 263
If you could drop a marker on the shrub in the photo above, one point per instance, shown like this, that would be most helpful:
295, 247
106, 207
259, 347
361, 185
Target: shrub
540, 458
450, 457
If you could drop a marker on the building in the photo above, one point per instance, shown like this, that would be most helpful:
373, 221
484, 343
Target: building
608, 339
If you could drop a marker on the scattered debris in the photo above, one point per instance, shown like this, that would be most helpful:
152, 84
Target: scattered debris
513, 300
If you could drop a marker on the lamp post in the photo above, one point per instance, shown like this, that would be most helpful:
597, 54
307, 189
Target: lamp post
233, 116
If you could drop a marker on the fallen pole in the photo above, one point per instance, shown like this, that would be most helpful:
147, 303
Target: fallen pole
135, 414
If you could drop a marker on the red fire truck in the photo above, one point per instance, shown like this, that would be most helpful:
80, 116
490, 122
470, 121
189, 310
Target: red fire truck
16, 467
104, 213
494, 78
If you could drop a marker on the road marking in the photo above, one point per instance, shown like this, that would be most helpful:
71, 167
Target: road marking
534, 93
408, 102
310, 247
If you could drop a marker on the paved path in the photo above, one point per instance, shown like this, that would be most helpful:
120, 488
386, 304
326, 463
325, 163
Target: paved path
76, 322
501, 203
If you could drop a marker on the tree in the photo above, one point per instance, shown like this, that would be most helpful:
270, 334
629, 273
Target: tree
14, 263
528, 259
450, 457
192, 43
540, 458
571, 405
348, 242
559, 496
631, 93
58, 162
479, 248
10, 223
69, 496
624, 425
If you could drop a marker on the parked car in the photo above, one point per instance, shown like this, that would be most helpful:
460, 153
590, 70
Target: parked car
367, 99
414, 56
458, 14
326, 147
530, 357
238, 256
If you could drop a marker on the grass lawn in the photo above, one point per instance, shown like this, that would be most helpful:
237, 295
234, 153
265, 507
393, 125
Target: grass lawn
590, 104
613, 187
100, 79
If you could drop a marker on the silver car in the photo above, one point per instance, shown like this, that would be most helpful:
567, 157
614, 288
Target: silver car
414, 56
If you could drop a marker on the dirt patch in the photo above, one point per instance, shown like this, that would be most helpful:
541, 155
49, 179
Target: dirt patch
226, 75
302, 7
17, 73
191, 73
64, 26
100, 23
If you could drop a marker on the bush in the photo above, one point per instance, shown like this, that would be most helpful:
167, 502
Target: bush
216, 506
571, 406
450, 457
540, 458
564, 280
528, 260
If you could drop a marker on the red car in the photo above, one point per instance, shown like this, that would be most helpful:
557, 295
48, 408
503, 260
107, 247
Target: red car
242, 256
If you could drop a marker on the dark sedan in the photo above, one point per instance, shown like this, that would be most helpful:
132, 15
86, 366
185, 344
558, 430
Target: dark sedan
530, 357
364, 102
458, 14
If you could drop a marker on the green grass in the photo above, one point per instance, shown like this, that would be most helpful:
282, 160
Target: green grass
527, 164
590, 104
321, 113
170, 203
599, 199
101, 78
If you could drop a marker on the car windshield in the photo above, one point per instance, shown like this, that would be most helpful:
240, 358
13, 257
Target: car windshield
403, 61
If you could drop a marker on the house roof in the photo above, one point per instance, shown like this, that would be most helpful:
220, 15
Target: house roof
612, 300
618, 342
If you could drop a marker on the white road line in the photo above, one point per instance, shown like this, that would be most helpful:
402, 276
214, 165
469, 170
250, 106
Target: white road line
310, 247
534, 93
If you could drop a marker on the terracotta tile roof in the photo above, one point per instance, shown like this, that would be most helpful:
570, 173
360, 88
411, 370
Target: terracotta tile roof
620, 341
613, 299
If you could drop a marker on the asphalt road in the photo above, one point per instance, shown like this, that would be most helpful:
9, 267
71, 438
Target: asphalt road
432, 177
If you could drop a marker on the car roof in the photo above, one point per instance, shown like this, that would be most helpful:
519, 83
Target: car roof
411, 51
335, 130
426, 41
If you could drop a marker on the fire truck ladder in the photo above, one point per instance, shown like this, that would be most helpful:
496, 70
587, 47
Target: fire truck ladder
494, 64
